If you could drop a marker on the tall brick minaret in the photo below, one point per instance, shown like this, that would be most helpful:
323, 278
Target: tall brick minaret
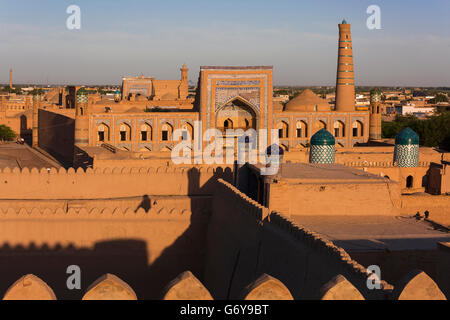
345, 84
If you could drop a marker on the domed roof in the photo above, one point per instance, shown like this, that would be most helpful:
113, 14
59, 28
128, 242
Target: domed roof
407, 137
82, 92
323, 138
307, 101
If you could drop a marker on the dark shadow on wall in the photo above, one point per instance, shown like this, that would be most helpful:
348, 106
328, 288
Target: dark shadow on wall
57, 136
129, 259
145, 204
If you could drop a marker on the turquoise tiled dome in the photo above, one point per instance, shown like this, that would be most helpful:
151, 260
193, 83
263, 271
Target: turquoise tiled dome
82, 92
406, 151
323, 138
407, 137
322, 148
117, 92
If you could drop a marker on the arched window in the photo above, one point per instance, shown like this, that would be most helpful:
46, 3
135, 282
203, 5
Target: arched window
103, 133
166, 132
283, 130
228, 124
358, 129
409, 182
187, 131
339, 129
125, 132
146, 132
302, 129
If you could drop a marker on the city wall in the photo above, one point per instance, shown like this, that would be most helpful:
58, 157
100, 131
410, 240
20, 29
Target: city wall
245, 241
109, 183
148, 248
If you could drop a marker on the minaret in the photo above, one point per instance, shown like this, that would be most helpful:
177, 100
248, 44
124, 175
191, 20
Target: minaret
345, 84
375, 114
184, 73
81, 118
35, 130
10, 78
184, 85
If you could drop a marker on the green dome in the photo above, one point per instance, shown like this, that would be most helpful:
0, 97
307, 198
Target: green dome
323, 138
407, 137
375, 91
117, 92
82, 92
344, 21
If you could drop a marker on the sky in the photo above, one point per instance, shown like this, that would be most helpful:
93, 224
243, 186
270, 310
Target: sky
299, 38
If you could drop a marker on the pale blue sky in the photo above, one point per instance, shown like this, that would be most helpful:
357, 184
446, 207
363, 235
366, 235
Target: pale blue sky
299, 38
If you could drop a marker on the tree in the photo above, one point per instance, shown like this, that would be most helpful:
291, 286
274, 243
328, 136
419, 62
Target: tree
6, 133
433, 132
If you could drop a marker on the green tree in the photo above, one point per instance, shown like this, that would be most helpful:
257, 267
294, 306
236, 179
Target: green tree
433, 132
6, 133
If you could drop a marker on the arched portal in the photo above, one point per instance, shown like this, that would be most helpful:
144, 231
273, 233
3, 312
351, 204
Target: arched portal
236, 114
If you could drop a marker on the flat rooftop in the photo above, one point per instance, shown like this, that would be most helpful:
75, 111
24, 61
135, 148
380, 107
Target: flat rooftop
375, 233
13, 155
324, 173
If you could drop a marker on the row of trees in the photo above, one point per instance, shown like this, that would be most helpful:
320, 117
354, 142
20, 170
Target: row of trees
433, 132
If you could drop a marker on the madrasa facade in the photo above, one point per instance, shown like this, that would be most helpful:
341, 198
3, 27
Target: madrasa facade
145, 113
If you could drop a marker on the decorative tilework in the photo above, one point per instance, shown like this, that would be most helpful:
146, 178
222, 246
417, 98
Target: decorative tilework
82, 99
250, 94
237, 83
406, 156
322, 154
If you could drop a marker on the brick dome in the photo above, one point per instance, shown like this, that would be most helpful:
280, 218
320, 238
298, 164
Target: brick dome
307, 101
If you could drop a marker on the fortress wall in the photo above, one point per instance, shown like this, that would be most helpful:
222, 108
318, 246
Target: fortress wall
156, 246
56, 135
192, 203
381, 198
305, 262
234, 235
109, 184
244, 242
